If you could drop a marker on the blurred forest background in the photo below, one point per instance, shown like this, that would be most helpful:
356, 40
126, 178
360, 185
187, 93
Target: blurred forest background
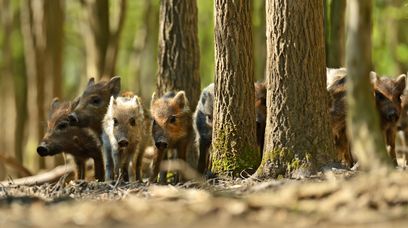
49, 48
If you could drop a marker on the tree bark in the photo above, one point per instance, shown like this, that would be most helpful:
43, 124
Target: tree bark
337, 40
298, 138
234, 146
362, 119
179, 54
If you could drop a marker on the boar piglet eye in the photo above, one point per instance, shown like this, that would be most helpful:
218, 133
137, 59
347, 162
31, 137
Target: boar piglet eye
132, 121
96, 101
379, 96
115, 122
172, 119
61, 126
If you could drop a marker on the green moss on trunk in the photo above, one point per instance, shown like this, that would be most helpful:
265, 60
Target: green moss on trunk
230, 161
285, 163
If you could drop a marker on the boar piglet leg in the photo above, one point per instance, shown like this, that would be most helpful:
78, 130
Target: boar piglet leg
156, 164
204, 146
99, 167
182, 155
125, 161
138, 165
80, 165
107, 157
390, 139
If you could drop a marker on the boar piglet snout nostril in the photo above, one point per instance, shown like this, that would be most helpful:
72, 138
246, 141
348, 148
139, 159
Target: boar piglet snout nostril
42, 150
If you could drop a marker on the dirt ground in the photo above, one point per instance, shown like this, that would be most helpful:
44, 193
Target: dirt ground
337, 198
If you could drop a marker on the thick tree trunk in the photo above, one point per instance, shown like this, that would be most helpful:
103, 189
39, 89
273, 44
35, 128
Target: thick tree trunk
337, 40
298, 137
179, 54
363, 126
234, 146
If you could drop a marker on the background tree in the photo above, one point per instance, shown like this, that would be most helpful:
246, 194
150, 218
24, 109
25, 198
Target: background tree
337, 33
33, 29
54, 19
298, 134
102, 35
259, 22
234, 141
363, 125
179, 54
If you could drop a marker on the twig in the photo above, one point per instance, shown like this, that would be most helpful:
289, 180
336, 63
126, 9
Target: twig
50, 176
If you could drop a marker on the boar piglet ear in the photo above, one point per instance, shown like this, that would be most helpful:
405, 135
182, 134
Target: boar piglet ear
373, 77
136, 100
91, 82
400, 83
112, 101
55, 103
180, 99
75, 103
154, 98
114, 86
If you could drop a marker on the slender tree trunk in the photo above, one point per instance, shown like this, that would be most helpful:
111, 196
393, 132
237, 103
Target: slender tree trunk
298, 139
113, 46
6, 78
96, 35
54, 19
393, 24
234, 137
337, 39
34, 33
363, 126
179, 54
139, 47
102, 36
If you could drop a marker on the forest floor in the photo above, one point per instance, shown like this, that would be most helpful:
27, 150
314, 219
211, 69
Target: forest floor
337, 198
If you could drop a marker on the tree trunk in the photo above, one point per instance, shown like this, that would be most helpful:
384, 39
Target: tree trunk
140, 45
179, 54
113, 46
96, 35
54, 19
234, 146
363, 126
6, 79
298, 138
337, 40
34, 36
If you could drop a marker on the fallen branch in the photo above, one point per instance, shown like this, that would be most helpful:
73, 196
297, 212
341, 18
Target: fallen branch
47, 177
15, 165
